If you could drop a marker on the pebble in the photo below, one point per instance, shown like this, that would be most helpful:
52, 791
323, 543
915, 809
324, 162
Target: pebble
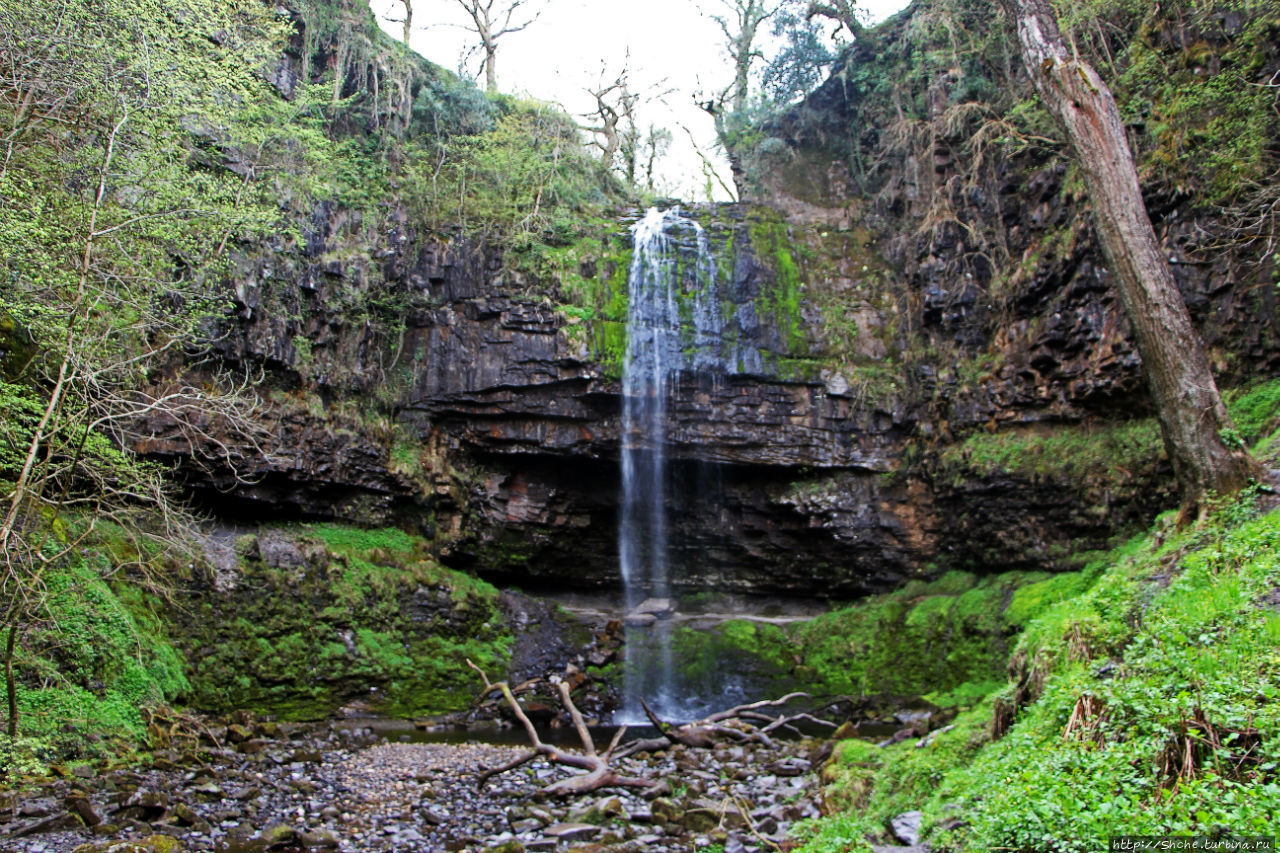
365, 796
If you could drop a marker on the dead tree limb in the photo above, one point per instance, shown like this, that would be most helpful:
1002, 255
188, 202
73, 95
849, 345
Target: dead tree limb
599, 772
705, 733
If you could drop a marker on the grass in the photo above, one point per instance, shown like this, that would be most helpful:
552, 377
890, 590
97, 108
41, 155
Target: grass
1142, 699
1126, 680
1073, 453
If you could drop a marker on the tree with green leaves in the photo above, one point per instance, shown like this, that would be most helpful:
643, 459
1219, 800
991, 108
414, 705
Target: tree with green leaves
802, 62
118, 212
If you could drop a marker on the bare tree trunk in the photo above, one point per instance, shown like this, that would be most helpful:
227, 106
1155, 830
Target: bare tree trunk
408, 20
491, 67
1190, 410
10, 680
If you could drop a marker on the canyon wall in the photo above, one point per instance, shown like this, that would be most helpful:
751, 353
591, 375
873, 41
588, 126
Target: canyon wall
930, 369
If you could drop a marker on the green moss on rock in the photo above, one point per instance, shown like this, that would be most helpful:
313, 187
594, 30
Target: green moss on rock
325, 614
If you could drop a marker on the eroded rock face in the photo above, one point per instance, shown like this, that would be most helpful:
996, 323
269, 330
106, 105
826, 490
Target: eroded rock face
796, 471
518, 426
871, 325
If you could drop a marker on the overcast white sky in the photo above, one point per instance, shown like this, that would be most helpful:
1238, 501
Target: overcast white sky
672, 44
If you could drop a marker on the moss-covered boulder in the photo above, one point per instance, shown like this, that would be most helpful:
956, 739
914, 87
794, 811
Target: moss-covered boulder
316, 616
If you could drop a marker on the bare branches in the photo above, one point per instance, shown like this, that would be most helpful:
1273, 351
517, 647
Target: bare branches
491, 26
616, 126
704, 733
843, 12
710, 173
740, 723
599, 772
740, 27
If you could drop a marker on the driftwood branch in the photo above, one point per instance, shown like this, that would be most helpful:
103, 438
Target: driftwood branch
705, 733
600, 774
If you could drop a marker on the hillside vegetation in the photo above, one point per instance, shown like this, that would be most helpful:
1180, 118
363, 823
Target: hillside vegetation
1145, 703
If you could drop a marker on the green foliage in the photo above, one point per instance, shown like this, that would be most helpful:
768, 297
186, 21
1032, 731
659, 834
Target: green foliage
513, 179
803, 61
1193, 80
1147, 702
1079, 453
845, 832
948, 638
868, 785
1256, 412
590, 264
1068, 453
1034, 598
756, 653
114, 228
926, 638
1203, 646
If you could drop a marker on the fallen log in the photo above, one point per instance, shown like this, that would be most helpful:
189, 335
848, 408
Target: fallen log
600, 773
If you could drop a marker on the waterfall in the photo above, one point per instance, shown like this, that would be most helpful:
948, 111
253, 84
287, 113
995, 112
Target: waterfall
674, 325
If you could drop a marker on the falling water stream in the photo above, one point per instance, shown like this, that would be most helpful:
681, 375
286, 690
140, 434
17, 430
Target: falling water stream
674, 325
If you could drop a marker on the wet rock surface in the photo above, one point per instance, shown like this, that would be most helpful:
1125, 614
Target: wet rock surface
341, 790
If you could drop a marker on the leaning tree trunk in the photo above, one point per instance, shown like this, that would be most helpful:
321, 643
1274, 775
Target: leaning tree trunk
1188, 406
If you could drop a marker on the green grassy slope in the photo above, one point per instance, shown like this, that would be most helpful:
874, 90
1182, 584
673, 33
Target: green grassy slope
1147, 704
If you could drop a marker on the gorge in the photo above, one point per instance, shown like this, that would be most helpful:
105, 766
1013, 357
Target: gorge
423, 388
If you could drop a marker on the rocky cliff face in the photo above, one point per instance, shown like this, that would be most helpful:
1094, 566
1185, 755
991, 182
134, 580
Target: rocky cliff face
881, 329
782, 468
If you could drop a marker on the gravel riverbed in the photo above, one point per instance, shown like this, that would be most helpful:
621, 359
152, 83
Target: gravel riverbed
313, 789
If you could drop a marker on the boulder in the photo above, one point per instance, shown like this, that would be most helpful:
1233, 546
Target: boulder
906, 827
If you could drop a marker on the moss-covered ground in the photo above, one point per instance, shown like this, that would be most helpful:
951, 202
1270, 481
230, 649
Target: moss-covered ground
1142, 701
319, 615
86, 668
947, 640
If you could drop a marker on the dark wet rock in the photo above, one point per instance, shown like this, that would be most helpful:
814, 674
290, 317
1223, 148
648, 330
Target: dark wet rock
147, 844
571, 831
278, 836
323, 839
700, 819
665, 811
39, 826
790, 767
79, 805
657, 606
142, 806
38, 807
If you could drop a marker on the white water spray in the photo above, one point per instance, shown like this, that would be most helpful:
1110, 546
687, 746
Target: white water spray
674, 325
